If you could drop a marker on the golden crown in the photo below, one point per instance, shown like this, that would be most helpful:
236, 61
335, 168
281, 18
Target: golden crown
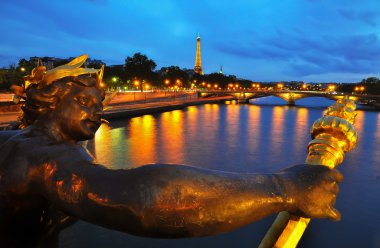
42, 77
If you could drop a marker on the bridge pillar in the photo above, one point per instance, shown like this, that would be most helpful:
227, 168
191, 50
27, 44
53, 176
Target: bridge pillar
242, 99
291, 102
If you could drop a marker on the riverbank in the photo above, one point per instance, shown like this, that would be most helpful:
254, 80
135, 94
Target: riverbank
129, 109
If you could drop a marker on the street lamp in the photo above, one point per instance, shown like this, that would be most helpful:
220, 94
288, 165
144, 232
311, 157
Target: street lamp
331, 88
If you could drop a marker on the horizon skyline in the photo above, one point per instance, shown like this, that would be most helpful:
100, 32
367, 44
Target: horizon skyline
306, 40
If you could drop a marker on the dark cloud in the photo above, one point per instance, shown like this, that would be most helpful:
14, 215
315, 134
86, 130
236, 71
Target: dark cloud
305, 55
369, 17
96, 1
366, 16
348, 14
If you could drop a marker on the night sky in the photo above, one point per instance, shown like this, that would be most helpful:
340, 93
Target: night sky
261, 40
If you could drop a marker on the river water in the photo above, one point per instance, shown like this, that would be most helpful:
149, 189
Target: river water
264, 136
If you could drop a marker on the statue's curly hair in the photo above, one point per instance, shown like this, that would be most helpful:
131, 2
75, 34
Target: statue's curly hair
42, 99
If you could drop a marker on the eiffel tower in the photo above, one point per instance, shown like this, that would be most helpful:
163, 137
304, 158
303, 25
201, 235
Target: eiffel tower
198, 60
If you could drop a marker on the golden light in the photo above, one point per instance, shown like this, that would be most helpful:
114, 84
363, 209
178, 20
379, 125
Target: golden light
114, 79
136, 82
356, 88
231, 85
203, 83
253, 85
22, 69
236, 85
178, 81
215, 85
102, 84
304, 86
362, 88
208, 85
147, 86
167, 81
331, 87
280, 85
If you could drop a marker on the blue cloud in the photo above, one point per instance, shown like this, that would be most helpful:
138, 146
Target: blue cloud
367, 16
289, 39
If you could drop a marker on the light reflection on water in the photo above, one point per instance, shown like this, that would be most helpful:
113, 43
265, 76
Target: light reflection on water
242, 138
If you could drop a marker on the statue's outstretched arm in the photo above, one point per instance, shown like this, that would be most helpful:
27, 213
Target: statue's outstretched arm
182, 201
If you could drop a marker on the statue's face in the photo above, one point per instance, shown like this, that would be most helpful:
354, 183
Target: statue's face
78, 113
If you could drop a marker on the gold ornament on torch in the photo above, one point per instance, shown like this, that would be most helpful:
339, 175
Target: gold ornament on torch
332, 136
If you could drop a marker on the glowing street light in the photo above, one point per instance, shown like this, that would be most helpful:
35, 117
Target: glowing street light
360, 88
167, 81
22, 69
331, 88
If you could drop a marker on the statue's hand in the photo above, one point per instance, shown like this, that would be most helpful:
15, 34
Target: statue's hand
312, 190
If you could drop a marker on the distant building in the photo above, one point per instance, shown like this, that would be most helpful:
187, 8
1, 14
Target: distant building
48, 62
51, 62
198, 60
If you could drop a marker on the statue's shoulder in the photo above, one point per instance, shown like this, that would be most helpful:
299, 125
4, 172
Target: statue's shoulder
6, 135
74, 153
42, 148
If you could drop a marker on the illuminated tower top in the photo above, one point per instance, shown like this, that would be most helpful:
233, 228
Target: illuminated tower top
198, 60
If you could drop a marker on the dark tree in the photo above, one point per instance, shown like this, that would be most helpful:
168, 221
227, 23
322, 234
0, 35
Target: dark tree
25, 66
10, 76
175, 76
139, 68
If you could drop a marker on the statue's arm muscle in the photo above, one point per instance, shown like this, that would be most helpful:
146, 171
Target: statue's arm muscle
163, 200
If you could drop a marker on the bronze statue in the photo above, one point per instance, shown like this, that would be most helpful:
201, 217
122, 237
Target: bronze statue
47, 180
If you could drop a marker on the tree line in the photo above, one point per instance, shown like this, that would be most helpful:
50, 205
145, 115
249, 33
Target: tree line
139, 73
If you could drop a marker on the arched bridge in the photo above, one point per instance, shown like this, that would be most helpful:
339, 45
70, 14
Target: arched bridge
289, 96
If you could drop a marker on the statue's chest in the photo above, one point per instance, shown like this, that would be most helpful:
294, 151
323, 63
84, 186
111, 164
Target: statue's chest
15, 169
